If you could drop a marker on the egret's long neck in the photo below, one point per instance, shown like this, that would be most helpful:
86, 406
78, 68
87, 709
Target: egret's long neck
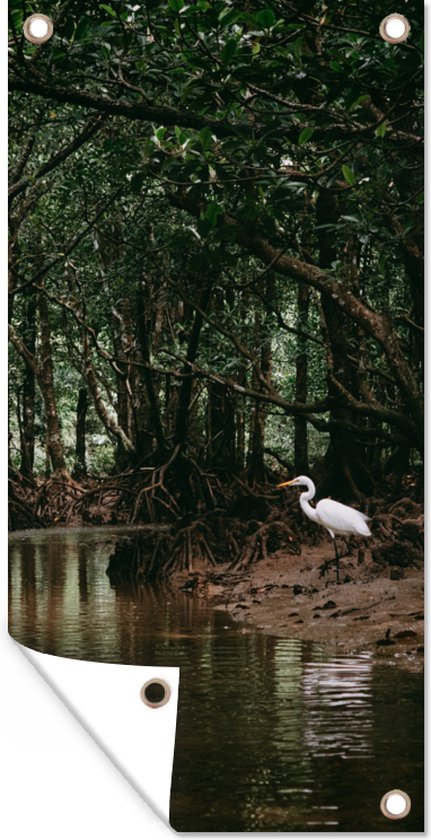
304, 501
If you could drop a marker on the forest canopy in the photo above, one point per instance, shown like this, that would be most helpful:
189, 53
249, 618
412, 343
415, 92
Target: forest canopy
216, 249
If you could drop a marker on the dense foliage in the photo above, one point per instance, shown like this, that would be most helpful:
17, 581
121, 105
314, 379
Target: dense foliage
216, 241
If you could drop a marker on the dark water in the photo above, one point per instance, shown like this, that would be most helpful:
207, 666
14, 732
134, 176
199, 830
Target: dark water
272, 734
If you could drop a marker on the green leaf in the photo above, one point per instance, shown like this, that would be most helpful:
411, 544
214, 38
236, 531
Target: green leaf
353, 219
58, 55
328, 226
212, 212
294, 185
205, 137
17, 18
297, 48
159, 135
265, 18
365, 97
306, 135
108, 9
349, 175
229, 16
176, 5
68, 29
228, 51
381, 129
82, 28
179, 134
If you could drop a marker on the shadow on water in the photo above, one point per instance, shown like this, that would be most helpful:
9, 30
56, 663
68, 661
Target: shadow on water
272, 734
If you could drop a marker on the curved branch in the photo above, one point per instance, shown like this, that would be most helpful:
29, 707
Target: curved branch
168, 116
158, 114
375, 325
90, 129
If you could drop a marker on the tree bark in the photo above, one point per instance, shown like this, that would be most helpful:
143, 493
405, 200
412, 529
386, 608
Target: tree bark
123, 343
104, 413
221, 428
28, 389
301, 384
181, 420
54, 440
256, 470
150, 406
80, 465
346, 474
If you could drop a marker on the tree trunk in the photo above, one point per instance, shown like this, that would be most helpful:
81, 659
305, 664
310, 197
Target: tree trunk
123, 340
104, 413
409, 182
221, 428
80, 466
150, 434
256, 470
301, 384
240, 421
182, 415
240, 410
54, 440
110, 238
27, 436
376, 325
346, 473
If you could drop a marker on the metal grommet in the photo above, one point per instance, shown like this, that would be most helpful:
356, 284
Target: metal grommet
395, 804
155, 693
38, 28
394, 28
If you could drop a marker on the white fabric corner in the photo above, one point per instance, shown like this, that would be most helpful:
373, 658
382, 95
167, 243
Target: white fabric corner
106, 700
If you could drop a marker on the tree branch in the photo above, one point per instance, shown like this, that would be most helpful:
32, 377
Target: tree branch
375, 325
90, 129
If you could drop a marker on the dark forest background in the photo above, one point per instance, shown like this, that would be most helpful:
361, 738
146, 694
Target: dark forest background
216, 270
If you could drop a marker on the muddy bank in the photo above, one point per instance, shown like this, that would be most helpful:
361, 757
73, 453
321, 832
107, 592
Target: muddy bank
374, 608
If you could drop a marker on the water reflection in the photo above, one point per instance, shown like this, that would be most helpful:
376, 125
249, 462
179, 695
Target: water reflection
332, 691
272, 734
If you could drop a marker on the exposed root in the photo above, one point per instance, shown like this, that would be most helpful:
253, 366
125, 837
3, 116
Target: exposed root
195, 522
151, 495
55, 497
158, 554
22, 513
268, 538
400, 553
190, 544
398, 535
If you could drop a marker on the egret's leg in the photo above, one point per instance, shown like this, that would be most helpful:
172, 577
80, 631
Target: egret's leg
337, 560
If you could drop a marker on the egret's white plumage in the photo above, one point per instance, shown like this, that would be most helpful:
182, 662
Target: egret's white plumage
340, 519
334, 516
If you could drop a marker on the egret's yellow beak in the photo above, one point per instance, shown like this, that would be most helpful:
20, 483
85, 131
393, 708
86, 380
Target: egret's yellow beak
286, 483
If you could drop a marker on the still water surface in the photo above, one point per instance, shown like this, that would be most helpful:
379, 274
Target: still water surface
272, 734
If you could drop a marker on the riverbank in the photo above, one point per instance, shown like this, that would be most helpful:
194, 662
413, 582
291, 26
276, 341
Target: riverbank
374, 608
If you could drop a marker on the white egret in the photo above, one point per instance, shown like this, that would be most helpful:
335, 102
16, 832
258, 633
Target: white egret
338, 519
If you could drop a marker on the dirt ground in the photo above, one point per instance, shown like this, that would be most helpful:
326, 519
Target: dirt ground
286, 595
